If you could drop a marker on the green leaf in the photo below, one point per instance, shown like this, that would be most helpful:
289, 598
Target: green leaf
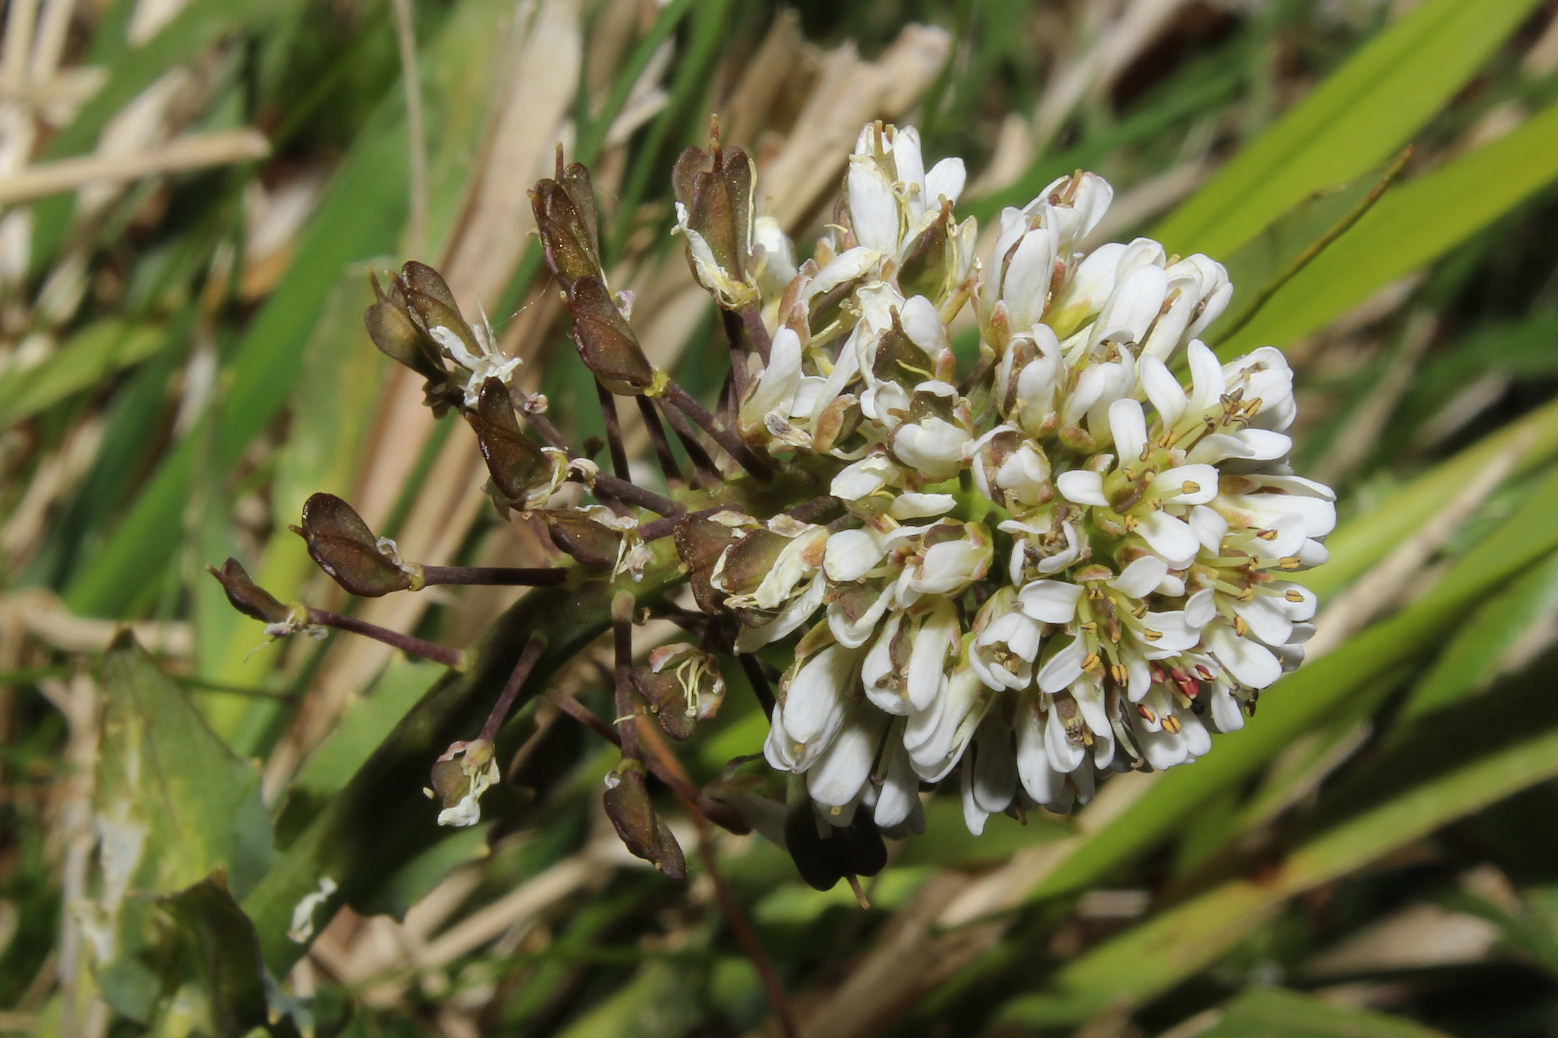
226, 954
1280, 1013
1275, 256
87, 359
172, 805
1354, 120
1411, 226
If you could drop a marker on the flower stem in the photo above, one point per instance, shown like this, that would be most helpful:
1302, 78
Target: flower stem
516, 681
503, 576
452, 658
684, 402
608, 411
663, 455
633, 494
622, 647
705, 472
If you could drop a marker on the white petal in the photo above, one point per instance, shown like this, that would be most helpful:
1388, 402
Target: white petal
1129, 428
1051, 601
1163, 389
945, 180
839, 773
1248, 662
1200, 608
873, 208
900, 789
814, 700
851, 554
1186, 485
1169, 537
1063, 668
1141, 577
1082, 487
921, 506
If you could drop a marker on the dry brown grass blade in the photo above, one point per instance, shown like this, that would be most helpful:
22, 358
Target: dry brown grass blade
195, 151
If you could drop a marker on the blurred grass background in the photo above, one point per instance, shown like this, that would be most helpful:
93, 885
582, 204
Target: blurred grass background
191, 192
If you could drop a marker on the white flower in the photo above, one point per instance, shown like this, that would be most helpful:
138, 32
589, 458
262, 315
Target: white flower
1140, 606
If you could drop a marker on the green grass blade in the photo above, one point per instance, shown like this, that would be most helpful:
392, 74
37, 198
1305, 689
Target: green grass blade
1354, 120
1450, 768
1411, 226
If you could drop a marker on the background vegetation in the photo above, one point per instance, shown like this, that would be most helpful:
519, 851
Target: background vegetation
191, 192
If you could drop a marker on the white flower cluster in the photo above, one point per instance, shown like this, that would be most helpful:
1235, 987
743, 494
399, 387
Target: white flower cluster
1062, 564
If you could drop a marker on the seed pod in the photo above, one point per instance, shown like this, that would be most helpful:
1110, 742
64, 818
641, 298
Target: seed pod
699, 541
589, 542
607, 344
345, 548
632, 814
565, 216
246, 596
517, 464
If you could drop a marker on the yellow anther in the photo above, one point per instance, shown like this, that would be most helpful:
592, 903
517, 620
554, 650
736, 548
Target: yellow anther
1240, 627
1190, 487
1267, 535
1092, 662
1289, 562
1171, 724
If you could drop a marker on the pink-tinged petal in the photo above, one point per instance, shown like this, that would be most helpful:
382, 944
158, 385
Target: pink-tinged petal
1170, 538
1050, 601
1141, 577
1247, 662
1082, 487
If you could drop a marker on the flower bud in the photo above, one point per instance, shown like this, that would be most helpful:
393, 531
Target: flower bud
248, 597
606, 342
459, 777
682, 685
345, 548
